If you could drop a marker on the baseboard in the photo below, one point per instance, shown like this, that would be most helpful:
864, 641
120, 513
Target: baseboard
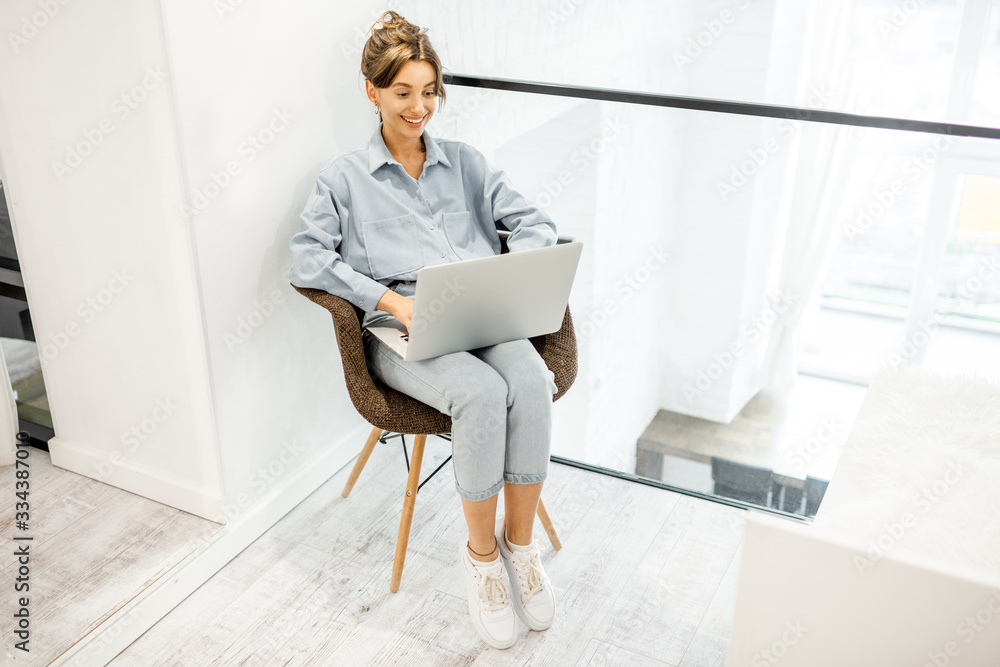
126, 625
135, 478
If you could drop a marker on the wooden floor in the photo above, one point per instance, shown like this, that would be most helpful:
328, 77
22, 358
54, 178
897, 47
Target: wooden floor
645, 577
94, 548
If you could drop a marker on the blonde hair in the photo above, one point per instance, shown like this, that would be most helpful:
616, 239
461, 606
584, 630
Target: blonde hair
394, 41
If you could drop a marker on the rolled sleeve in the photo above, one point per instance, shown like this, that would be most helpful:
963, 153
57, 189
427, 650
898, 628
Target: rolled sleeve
316, 262
529, 226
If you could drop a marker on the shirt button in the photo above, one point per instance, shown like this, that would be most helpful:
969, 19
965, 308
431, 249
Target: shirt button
442, 254
362, 302
432, 226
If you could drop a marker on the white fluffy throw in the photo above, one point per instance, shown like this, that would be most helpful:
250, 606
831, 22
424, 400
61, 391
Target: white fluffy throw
920, 471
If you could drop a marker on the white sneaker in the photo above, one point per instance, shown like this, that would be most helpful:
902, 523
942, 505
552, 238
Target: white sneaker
533, 598
489, 601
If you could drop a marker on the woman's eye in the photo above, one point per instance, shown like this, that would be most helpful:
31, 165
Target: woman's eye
402, 94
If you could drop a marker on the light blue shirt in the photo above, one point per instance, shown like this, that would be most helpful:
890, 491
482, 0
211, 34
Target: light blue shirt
368, 223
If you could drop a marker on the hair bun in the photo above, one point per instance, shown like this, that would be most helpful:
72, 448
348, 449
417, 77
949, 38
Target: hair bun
391, 43
391, 20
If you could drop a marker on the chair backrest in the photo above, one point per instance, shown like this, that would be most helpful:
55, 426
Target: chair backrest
394, 411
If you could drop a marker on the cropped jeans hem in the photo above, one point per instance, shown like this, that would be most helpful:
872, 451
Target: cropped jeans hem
481, 495
520, 478
513, 478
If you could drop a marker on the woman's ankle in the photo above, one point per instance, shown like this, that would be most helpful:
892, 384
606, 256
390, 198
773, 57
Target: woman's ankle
482, 556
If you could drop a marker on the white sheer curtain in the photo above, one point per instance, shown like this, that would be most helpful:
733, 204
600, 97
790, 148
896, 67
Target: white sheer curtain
817, 180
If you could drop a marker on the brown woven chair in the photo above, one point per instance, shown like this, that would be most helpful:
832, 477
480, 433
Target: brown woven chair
395, 412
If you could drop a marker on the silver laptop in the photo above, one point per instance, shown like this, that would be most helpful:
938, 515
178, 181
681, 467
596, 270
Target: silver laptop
478, 302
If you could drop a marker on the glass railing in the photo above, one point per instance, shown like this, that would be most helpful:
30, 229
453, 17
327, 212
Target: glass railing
731, 249
935, 60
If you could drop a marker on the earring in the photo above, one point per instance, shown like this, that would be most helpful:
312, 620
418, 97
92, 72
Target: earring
376, 109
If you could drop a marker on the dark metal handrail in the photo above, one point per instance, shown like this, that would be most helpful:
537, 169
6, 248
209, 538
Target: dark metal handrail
724, 106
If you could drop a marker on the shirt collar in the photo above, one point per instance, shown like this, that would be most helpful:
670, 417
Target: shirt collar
378, 153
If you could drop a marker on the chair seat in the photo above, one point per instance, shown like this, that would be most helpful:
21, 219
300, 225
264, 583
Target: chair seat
395, 411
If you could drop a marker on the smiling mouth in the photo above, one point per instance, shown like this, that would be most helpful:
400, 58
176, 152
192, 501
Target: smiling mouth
414, 122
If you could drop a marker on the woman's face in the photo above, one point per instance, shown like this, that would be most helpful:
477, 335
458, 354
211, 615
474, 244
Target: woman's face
409, 101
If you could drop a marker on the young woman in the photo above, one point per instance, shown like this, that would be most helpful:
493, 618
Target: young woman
379, 214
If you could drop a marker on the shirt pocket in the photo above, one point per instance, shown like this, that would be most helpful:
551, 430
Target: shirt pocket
465, 237
392, 246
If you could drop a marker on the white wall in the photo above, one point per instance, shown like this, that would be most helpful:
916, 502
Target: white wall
287, 73
107, 263
206, 323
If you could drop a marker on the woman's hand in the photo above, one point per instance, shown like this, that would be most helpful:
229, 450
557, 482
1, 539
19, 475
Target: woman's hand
404, 311
397, 305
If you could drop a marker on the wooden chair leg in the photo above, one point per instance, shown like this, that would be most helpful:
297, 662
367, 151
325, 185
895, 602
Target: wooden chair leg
412, 482
550, 530
359, 465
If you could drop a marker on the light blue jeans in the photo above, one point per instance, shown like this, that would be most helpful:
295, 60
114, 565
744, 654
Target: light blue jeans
500, 401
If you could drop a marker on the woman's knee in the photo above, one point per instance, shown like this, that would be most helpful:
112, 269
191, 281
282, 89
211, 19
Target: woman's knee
485, 386
534, 380
524, 370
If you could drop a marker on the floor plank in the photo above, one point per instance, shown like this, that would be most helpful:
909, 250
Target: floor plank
314, 590
675, 581
303, 586
710, 645
600, 654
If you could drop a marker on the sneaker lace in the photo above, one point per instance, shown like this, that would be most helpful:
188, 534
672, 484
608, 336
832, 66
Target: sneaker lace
492, 590
529, 570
